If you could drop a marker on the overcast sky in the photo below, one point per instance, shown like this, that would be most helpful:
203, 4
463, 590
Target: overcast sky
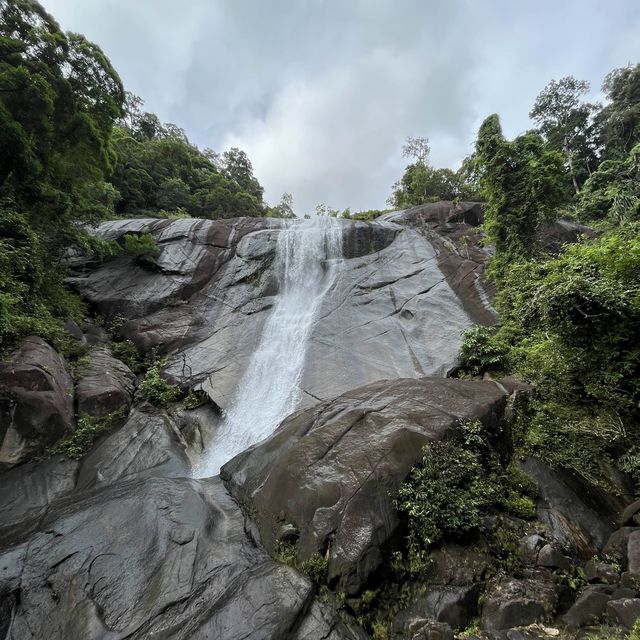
322, 93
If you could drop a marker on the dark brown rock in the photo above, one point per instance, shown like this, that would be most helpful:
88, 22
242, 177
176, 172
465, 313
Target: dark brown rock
430, 630
36, 401
633, 552
629, 514
617, 544
28, 490
589, 607
105, 385
330, 470
154, 558
551, 557
148, 445
577, 515
598, 571
515, 602
560, 232
625, 611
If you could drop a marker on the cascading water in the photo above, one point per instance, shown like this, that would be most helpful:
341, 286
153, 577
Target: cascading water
308, 255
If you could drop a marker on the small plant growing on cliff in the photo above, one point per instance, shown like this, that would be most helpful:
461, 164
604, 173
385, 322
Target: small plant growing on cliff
88, 429
480, 351
143, 245
157, 390
195, 399
128, 353
454, 485
315, 567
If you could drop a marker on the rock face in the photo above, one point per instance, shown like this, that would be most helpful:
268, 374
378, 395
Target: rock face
405, 291
36, 401
106, 384
180, 566
515, 602
148, 445
330, 470
577, 515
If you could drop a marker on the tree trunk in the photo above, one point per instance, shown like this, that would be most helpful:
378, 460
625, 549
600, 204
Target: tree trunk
567, 153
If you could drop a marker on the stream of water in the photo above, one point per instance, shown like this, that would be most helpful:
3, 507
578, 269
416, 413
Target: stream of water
308, 257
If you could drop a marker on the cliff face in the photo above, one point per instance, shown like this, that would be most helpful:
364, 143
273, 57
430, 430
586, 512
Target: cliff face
125, 543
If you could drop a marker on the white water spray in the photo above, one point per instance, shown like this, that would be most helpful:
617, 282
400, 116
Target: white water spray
308, 255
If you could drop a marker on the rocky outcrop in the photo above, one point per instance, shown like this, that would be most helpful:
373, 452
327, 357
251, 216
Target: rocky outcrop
513, 602
330, 470
577, 515
208, 295
105, 384
148, 445
36, 401
28, 490
153, 558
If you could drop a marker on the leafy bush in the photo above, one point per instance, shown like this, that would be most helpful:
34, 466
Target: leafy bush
87, 431
143, 244
157, 390
315, 567
195, 399
480, 351
129, 354
569, 324
455, 484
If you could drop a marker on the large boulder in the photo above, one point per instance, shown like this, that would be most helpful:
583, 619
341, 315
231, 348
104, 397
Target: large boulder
513, 602
330, 471
148, 445
149, 558
106, 384
578, 515
36, 401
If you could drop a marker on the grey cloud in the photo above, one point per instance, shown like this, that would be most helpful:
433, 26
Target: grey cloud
321, 93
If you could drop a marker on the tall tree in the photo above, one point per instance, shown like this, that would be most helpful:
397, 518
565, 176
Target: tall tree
566, 123
523, 183
619, 120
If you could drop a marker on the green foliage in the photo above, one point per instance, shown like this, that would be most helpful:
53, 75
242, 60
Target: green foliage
59, 99
129, 354
195, 399
618, 123
480, 351
457, 482
315, 567
157, 170
566, 123
157, 390
422, 183
369, 214
143, 244
88, 430
611, 196
569, 324
524, 183
472, 630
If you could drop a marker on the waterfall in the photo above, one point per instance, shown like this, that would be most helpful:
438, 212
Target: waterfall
308, 256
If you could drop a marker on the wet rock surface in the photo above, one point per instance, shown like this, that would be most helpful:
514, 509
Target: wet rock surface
36, 401
180, 566
124, 544
330, 470
207, 297
106, 384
